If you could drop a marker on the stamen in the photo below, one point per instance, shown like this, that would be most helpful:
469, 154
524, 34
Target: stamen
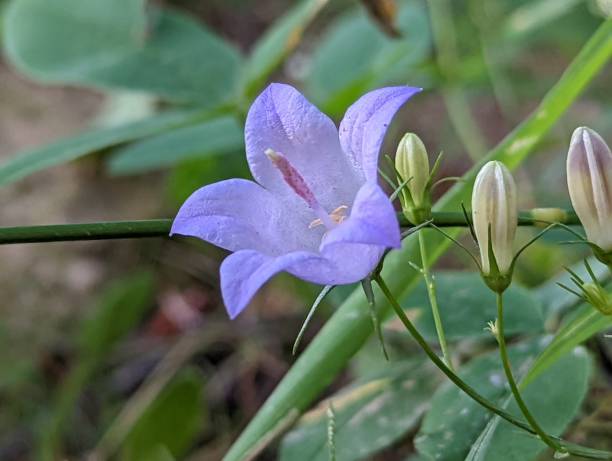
337, 216
297, 183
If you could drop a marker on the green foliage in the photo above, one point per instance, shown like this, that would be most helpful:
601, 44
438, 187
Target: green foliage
583, 324
171, 424
217, 136
270, 50
120, 308
370, 415
193, 174
467, 305
116, 44
456, 428
355, 56
68, 149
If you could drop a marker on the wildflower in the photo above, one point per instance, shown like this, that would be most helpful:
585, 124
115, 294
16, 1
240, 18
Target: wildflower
589, 180
494, 214
316, 210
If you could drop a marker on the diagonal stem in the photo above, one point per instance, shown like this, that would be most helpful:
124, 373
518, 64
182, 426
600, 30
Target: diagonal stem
499, 334
433, 301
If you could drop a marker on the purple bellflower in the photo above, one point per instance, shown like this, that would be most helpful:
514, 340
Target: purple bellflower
316, 210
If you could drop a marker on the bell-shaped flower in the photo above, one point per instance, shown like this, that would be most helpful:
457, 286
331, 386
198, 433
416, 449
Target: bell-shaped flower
589, 180
316, 210
495, 218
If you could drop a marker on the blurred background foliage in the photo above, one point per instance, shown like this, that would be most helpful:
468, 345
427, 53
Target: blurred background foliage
123, 350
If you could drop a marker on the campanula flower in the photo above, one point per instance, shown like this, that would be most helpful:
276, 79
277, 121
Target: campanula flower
495, 218
589, 180
315, 211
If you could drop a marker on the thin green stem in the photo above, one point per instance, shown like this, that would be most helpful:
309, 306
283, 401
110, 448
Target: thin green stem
433, 301
470, 391
513, 386
161, 228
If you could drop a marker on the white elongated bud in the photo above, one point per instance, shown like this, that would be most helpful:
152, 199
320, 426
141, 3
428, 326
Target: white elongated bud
589, 180
412, 162
494, 213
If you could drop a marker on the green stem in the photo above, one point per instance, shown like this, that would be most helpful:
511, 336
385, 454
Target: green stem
573, 449
499, 334
433, 301
161, 228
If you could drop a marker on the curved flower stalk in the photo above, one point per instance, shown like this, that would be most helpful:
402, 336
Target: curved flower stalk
495, 219
316, 210
589, 180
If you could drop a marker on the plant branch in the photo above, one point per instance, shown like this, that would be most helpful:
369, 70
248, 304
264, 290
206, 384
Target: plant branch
161, 228
433, 301
503, 353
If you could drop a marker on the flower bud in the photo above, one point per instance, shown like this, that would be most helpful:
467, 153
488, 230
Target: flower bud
412, 164
597, 297
495, 215
589, 180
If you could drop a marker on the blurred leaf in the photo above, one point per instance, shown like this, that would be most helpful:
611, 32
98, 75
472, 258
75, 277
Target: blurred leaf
111, 44
172, 422
584, 324
278, 41
466, 305
211, 137
192, 174
121, 307
455, 422
534, 15
370, 415
355, 56
349, 328
65, 150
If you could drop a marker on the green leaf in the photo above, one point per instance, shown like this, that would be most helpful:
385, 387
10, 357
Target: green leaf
65, 150
355, 56
278, 41
534, 15
113, 44
211, 137
350, 326
370, 415
172, 422
122, 306
455, 424
467, 305
584, 324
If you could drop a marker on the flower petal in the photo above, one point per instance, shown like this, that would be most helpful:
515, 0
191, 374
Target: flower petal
372, 221
244, 272
365, 123
238, 214
283, 120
